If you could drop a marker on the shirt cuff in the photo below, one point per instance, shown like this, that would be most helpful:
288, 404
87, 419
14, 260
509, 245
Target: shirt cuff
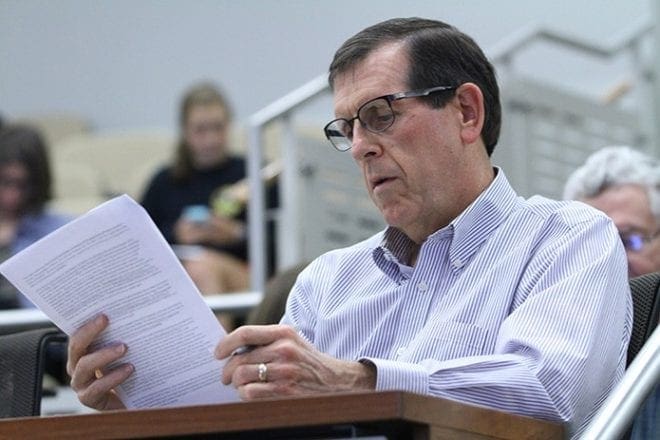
400, 376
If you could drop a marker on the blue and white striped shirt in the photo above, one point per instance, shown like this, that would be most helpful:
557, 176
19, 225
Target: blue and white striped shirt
518, 305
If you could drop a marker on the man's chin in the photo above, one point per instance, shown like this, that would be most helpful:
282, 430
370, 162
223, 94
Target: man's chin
395, 218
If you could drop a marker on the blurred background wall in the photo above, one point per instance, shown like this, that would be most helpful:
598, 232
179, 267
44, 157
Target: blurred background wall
124, 63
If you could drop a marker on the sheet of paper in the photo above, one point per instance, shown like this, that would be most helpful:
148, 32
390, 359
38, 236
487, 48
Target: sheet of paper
113, 260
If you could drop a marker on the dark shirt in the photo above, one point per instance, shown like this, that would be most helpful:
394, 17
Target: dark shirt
166, 198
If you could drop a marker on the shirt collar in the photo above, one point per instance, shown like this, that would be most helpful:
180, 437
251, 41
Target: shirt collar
467, 231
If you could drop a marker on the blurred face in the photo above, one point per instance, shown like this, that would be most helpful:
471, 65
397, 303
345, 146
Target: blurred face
14, 184
206, 135
413, 169
629, 207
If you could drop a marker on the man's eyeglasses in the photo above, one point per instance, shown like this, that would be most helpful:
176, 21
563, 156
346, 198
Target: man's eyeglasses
636, 241
375, 115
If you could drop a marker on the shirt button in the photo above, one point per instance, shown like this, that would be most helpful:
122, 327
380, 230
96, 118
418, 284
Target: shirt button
400, 351
457, 263
422, 286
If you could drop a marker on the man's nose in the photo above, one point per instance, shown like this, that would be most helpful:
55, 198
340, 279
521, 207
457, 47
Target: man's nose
364, 143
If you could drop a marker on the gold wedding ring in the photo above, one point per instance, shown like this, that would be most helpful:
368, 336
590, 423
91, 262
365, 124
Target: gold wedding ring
262, 372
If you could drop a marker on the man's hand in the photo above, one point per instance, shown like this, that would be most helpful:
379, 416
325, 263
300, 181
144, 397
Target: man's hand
292, 365
90, 378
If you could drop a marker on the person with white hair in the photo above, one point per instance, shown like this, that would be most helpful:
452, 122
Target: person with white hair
625, 184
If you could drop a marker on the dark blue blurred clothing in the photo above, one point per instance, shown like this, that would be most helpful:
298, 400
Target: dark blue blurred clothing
647, 422
31, 228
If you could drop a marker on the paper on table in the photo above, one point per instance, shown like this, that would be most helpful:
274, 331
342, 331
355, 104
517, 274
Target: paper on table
113, 260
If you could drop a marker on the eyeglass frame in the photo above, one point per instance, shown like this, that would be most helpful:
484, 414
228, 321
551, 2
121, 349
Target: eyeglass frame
389, 99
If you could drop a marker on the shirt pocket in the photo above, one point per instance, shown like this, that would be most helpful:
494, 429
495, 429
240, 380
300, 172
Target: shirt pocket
447, 340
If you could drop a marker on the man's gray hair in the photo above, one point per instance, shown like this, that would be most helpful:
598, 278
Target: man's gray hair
614, 166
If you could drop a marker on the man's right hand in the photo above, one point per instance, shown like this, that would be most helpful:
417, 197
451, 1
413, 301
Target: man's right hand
91, 379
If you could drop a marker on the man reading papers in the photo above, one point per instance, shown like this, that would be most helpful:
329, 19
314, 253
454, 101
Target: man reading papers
471, 293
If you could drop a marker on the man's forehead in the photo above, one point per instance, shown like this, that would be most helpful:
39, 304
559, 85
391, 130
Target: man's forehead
382, 72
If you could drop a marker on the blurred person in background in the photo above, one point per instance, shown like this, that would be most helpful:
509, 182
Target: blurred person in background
625, 184
25, 189
180, 197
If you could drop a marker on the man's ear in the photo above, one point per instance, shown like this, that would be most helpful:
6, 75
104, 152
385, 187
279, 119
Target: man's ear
471, 102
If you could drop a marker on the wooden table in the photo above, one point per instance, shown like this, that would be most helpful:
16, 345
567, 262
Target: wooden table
392, 414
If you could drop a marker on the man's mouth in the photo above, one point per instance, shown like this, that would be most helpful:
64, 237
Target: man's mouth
380, 181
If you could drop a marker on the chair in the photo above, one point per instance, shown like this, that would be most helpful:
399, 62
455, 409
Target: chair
271, 308
116, 157
646, 310
22, 365
77, 188
55, 126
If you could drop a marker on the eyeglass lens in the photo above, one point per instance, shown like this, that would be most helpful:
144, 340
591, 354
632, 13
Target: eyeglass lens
633, 242
375, 116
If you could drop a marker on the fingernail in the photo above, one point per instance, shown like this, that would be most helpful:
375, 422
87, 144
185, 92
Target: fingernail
100, 319
120, 348
242, 350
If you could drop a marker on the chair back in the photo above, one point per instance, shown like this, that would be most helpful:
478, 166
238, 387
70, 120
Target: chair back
276, 292
646, 309
22, 363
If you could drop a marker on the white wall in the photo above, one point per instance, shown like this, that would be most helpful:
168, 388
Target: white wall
124, 63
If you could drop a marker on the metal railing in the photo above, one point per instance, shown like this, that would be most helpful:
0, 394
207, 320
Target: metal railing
629, 39
280, 110
237, 304
628, 42
621, 406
